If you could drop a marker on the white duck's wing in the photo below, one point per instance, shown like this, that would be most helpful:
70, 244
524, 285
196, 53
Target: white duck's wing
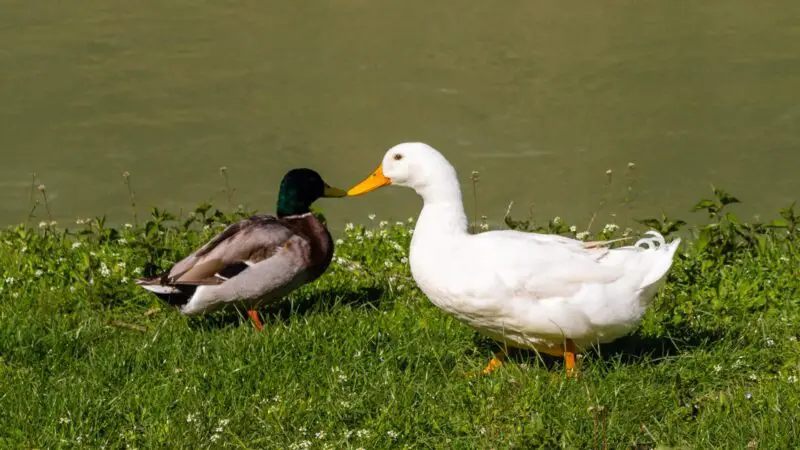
535, 266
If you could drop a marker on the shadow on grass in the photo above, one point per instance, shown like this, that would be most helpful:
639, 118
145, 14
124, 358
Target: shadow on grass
316, 301
627, 350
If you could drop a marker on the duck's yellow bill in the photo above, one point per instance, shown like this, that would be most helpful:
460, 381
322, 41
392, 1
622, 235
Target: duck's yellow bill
333, 192
374, 181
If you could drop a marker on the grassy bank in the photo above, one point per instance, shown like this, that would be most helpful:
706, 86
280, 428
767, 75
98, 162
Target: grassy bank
361, 359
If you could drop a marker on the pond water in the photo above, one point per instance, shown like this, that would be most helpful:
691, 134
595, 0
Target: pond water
540, 97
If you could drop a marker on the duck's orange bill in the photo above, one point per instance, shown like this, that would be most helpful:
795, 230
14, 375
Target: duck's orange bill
374, 181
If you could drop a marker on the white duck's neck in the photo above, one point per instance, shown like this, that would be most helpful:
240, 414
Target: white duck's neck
443, 209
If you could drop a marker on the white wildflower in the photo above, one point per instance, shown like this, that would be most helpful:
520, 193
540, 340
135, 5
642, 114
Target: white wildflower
404, 260
383, 223
371, 216
608, 172
357, 354
104, 270
344, 404
53, 223
128, 226
24, 249
631, 165
369, 234
388, 264
582, 235
15, 295
610, 228
123, 280
79, 221
137, 271
362, 433
121, 265
72, 289
224, 422
342, 378
573, 229
410, 220
392, 434
76, 245
349, 226
122, 241
484, 227
215, 438
339, 242
399, 224
482, 430
10, 280
64, 420
42, 224
753, 377
556, 220
770, 342
717, 368
348, 433
191, 418
791, 379
206, 227
320, 435
38, 272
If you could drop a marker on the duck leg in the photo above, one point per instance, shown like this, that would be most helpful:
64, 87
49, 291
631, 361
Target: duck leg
569, 358
495, 363
256, 321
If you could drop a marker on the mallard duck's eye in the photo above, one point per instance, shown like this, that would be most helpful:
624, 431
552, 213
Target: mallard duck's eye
398, 157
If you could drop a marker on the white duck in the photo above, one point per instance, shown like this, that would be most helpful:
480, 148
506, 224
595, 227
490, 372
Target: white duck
545, 292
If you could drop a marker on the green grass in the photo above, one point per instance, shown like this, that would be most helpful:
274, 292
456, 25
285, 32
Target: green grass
362, 359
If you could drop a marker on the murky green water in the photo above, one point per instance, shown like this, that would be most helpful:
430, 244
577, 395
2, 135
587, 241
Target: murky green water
540, 97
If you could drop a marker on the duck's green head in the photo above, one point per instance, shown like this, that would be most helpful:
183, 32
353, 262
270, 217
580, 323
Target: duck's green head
300, 188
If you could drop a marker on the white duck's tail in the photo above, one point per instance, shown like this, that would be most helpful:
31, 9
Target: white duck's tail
655, 261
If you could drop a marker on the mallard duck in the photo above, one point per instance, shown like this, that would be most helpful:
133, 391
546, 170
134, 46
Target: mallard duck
257, 260
549, 293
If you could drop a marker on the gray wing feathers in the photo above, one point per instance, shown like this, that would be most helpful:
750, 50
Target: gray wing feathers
274, 277
246, 242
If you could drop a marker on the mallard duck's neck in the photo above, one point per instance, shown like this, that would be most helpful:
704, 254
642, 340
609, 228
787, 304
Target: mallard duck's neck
292, 204
443, 209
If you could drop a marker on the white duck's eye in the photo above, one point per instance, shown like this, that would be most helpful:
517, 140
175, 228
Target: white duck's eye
398, 156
